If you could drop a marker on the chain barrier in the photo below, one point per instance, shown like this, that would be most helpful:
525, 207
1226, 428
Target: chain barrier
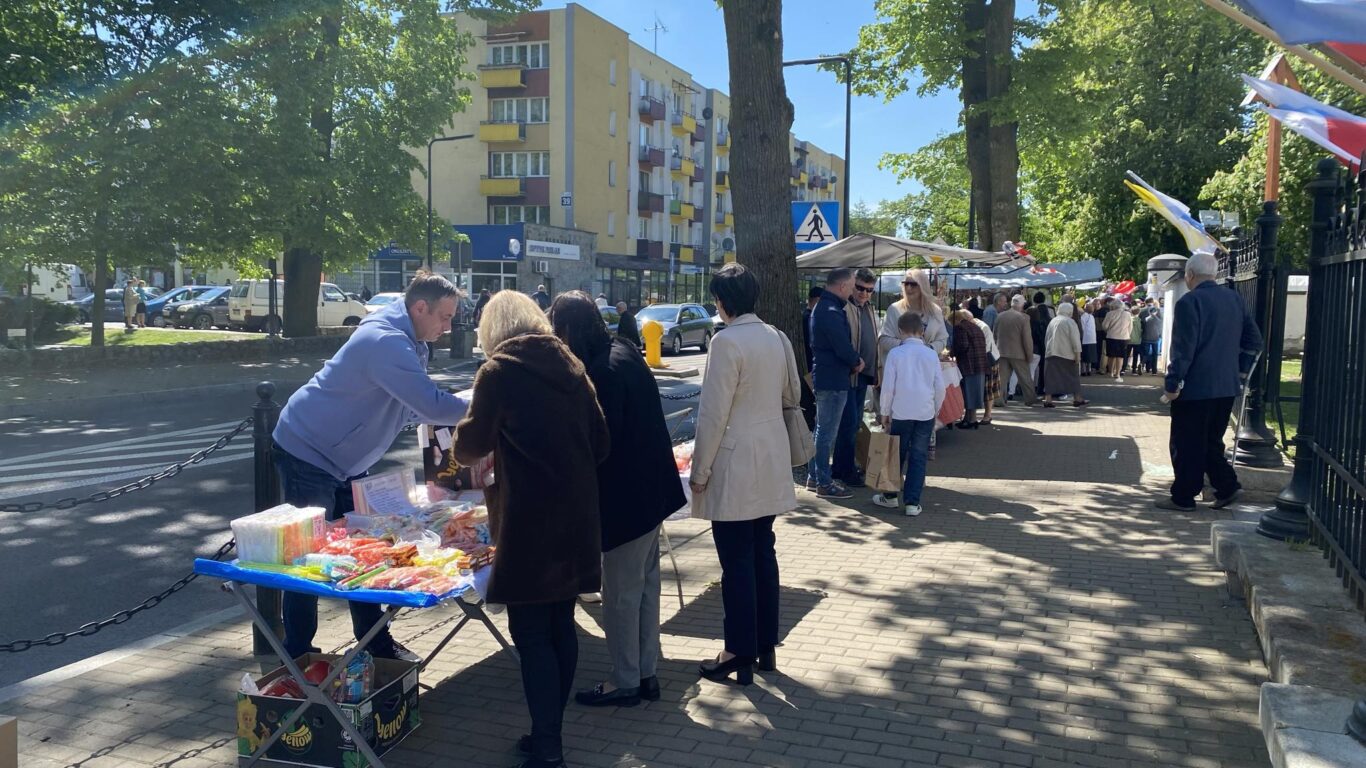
71, 502
90, 628
688, 396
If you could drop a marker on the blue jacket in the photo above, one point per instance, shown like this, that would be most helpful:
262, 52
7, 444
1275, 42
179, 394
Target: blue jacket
1214, 339
832, 346
345, 418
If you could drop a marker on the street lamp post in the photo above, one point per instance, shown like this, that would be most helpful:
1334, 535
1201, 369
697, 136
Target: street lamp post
429, 189
848, 99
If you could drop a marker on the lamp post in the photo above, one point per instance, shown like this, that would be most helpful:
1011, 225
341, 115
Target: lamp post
429, 188
848, 98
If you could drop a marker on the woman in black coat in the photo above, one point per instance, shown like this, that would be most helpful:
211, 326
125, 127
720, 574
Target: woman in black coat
638, 487
535, 410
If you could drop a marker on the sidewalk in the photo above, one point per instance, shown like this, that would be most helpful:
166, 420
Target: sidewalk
1040, 613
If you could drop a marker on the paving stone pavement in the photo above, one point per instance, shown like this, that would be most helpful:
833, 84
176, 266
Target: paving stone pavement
1039, 613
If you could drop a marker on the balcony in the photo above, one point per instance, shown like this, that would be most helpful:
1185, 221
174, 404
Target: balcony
724, 219
723, 141
649, 249
699, 134
681, 166
649, 202
699, 174
490, 186
649, 157
800, 147
816, 182
680, 211
683, 123
502, 75
681, 253
495, 132
722, 180
650, 109
697, 214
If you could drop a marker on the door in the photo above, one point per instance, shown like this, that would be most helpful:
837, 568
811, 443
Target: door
332, 309
690, 322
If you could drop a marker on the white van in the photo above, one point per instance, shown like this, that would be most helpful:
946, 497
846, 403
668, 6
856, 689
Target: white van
60, 282
249, 306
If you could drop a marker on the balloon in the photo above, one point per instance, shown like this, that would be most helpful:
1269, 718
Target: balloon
1126, 286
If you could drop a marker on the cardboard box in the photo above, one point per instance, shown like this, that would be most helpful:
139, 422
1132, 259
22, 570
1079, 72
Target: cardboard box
9, 742
384, 718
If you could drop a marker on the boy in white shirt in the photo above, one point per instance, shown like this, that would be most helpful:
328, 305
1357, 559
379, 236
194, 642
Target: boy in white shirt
912, 391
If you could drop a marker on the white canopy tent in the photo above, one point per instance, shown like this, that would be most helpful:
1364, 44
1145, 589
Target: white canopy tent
885, 252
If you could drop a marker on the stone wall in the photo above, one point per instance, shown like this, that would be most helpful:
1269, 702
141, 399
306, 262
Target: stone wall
328, 341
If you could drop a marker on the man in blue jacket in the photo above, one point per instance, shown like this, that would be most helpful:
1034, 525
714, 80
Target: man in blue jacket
1214, 342
335, 428
835, 360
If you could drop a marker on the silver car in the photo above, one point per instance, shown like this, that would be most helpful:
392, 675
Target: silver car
685, 325
207, 310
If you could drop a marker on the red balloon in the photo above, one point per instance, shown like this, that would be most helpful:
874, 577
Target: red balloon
1126, 286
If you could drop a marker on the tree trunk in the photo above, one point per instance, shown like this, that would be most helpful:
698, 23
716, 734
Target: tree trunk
761, 120
977, 118
97, 302
303, 271
1003, 147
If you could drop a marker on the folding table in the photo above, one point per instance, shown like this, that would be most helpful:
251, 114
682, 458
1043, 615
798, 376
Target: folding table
394, 600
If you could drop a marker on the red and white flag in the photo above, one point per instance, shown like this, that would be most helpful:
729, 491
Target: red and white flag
1338, 131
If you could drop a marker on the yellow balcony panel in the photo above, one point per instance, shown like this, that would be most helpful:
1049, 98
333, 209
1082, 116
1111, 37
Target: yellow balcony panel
680, 211
499, 187
685, 168
494, 132
728, 220
685, 254
502, 76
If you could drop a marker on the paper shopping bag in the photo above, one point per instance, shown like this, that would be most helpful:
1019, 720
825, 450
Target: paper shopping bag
883, 470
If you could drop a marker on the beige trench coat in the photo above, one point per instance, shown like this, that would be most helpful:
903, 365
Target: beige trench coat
741, 452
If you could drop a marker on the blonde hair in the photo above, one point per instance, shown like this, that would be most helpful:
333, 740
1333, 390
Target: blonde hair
926, 307
509, 314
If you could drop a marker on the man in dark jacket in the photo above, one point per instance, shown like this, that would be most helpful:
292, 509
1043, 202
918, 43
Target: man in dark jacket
863, 328
1152, 334
541, 297
1214, 342
626, 325
835, 360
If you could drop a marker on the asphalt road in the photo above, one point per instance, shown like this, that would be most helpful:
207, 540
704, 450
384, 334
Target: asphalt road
63, 568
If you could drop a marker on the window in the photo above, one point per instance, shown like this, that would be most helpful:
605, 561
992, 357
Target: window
720, 202
644, 87
644, 135
611, 223
673, 233
331, 293
530, 55
513, 214
611, 173
612, 72
519, 164
531, 110
612, 123
645, 181
643, 228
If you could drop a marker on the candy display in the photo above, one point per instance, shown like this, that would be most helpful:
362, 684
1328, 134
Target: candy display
279, 534
683, 456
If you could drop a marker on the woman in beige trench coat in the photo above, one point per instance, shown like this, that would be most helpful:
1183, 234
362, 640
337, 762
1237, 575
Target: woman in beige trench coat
741, 470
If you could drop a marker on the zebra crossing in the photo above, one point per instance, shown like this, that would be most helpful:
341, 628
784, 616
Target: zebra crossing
112, 462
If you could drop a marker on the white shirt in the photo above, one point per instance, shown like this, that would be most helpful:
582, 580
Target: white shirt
601, 302
912, 382
1088, 328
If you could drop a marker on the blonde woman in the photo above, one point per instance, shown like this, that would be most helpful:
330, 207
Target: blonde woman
915, 297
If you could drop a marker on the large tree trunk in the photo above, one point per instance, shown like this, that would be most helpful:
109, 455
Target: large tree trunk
101, 280
976, 118
303, 271
761, 119
1004, 150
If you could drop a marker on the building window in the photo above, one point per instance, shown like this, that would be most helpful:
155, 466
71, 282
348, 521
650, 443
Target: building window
612, 72
673, 233
514, 214
611, 223
612, 123
529, 55
532, 110
519, 164
643, 228
644, 87
645, 181
611, 173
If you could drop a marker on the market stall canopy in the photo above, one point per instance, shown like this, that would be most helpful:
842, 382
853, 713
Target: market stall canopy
886, 252
1007, 277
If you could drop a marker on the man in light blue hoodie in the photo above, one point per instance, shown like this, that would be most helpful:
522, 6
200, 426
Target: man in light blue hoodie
339, 424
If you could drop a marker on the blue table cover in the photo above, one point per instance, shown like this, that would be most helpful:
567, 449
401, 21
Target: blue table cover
232, 572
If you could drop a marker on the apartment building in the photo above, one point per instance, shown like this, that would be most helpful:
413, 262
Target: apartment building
577, 130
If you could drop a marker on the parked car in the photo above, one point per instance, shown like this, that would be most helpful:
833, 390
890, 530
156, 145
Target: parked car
381, 300
249, 306
113, 306
155, 307
685, 325
611, 317
207, 309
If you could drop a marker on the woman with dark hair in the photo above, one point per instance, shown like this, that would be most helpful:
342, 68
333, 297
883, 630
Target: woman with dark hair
970, 350
637, 488
741, 470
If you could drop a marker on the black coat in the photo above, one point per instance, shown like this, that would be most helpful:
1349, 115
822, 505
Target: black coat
627, 328
638, 484
535, 410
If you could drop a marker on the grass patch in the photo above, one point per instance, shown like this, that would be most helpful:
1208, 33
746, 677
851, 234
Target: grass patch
144, 337
1290, 387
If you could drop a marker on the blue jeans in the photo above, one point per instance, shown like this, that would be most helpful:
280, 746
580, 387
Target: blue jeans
829, 410
915, 454
307, 486
843, 466
1149, 356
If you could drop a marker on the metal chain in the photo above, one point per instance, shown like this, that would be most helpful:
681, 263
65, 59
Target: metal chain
687, 396
137, 485
86, 630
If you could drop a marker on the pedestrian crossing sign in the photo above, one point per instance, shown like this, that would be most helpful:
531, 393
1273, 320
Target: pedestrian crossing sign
815, 223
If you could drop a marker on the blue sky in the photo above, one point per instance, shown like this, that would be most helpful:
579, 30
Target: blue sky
696, 41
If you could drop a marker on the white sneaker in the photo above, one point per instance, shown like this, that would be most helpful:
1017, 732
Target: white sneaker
882, 500
591, 597
1119, 379
912, 510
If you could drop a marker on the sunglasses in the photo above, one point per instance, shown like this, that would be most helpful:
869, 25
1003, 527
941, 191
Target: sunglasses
911, 283
863, 289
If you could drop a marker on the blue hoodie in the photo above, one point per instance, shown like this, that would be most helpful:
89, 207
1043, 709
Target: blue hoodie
345, 418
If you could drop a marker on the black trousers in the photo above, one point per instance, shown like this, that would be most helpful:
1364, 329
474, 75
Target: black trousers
548, 642
1197, 448
749, 584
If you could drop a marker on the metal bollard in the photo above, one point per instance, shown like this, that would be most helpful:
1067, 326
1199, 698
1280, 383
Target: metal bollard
265, 413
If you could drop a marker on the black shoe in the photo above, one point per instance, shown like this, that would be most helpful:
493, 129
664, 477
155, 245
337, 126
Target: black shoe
524, 744
395, 651
768, 660
1167, 504
649, 688
597, 697
535, 763
854, 481
719, 672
